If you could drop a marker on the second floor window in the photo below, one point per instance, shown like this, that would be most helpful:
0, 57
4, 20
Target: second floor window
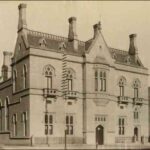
122, 82
136, 85
24, 77
69, 79
14, 81
49, 73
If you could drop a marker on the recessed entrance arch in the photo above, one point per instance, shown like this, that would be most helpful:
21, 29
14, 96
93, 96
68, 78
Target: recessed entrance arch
100, 135
136, 133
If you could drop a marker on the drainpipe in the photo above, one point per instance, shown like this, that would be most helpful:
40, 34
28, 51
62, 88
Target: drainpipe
84, 100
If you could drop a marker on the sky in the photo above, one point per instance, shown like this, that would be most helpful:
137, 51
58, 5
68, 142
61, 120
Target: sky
119, 19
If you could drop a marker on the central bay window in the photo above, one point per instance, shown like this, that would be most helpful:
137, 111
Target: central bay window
96, 80
100, 81
49, 120
14, 122
121, 123
69, 124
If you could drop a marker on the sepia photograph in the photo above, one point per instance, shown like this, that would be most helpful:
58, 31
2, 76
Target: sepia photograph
74, 75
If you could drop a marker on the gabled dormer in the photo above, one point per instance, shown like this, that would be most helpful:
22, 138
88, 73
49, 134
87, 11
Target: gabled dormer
98, 47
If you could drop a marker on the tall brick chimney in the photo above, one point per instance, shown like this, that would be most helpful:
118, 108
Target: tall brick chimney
22, 17
72, 35
97, 29
6, 68
132, 47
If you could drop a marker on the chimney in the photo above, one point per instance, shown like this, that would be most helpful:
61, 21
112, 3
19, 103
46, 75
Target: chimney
72, 36
132, 47
6, 67
97, 29
22, 17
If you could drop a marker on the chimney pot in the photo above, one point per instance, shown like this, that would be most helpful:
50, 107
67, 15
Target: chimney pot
132, 47
71, 19
22, 6
22, 17
72, 35
6, 68
97, 28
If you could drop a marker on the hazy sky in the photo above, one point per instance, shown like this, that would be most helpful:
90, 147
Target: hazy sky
118, 19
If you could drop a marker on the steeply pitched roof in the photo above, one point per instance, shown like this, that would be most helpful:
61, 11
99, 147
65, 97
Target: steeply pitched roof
52, 42
123, 57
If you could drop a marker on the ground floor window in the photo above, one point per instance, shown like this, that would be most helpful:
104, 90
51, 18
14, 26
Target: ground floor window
49, 124
14, 122
69, 124
121, 125
24, 123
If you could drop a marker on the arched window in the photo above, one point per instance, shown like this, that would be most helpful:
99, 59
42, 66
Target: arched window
14, 81
0, 115
136, 114
69, 77
96, 80
14, 121
24, 77
49, 73
7, 114
24, 122
136, 85
122, 83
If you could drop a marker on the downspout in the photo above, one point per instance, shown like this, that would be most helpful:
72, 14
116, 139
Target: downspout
84, 100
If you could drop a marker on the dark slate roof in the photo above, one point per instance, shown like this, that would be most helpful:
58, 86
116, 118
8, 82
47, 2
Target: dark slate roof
123, 57
53, 42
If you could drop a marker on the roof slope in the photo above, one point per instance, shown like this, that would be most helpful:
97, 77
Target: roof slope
52, 42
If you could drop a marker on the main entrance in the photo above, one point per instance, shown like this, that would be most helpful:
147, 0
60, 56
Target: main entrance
136, 134
100, 135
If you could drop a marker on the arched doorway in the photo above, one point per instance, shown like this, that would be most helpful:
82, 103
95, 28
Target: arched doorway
136, 134
100, 135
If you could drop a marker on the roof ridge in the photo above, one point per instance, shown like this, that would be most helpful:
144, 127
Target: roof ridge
52, 36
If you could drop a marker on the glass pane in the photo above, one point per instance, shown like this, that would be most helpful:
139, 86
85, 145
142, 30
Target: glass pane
67, 120
50, 119
119, 121
46, 118
71, 129
46, 129
51, 129
67, 129
96, 84
71, 119
70, 84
